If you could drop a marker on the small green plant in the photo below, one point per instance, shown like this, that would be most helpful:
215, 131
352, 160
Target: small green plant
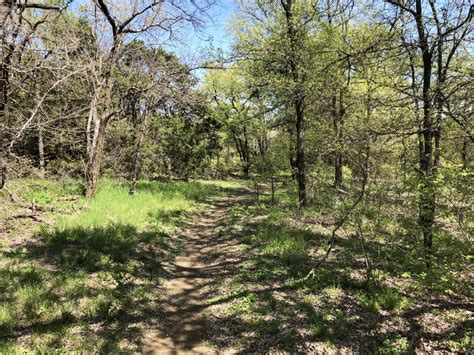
396, 346
383, 299
246, 304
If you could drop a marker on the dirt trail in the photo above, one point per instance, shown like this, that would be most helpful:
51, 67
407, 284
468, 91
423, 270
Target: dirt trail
188, 291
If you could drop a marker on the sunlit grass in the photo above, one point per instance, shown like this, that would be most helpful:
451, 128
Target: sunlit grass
152, 204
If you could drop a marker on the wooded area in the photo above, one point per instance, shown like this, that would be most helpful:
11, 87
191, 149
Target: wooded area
307, 188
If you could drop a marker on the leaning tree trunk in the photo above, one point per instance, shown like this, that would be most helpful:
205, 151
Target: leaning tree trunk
92, 128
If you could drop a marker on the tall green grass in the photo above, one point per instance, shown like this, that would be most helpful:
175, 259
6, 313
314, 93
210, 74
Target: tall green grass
152, 204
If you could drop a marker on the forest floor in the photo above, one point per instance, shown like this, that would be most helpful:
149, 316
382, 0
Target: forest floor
208, 266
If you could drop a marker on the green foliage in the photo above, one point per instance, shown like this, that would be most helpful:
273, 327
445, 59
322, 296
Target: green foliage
384, 299
396, 346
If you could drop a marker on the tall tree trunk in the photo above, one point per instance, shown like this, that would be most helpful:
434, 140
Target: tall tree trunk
4, 10
439, 105
138, 161
93, 170
298, 102
427, 190
300, 159
338, 116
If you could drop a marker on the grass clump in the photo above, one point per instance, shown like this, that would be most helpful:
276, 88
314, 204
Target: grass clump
287, 246
383, 298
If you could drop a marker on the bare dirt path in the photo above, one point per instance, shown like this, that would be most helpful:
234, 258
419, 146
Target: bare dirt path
187, 292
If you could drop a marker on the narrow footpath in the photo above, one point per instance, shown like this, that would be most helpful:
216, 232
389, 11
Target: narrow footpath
186, 294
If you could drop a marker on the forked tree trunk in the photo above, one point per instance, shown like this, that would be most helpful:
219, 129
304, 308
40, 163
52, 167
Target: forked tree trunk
93, 168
